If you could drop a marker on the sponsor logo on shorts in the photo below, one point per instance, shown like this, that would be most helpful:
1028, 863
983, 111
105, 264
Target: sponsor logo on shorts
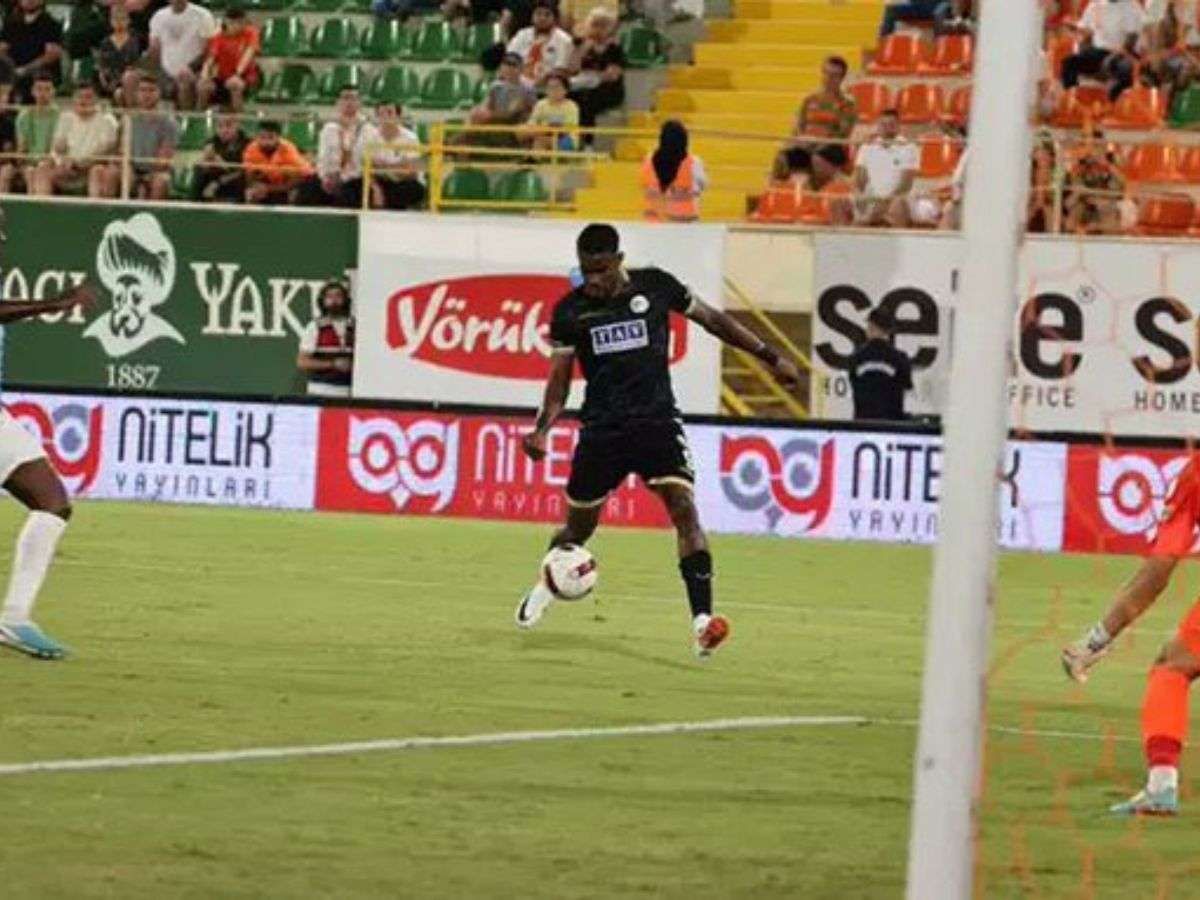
620, 337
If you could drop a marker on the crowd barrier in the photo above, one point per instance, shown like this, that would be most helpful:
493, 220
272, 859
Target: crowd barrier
784, 480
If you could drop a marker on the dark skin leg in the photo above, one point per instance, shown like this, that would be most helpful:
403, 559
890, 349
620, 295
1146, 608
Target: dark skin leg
681, 507
37, 486
581, 525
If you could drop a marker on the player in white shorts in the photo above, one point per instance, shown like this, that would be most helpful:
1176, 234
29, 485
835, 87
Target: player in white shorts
28, 476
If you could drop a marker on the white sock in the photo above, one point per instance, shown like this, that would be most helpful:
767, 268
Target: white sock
1098, 638
35, 549
1162, 778
700, 622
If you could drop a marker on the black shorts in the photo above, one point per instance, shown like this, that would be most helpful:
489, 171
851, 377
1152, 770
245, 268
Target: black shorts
656, 451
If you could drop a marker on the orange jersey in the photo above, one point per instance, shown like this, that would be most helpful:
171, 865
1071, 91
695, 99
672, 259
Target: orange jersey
1176, 533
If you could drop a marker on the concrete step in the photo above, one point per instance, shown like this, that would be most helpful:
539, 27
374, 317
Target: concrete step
750, 55
777, 125
792, 10
763, 103
795, 82
772, 31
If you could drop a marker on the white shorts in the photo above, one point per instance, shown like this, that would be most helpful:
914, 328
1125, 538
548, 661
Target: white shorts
17, 446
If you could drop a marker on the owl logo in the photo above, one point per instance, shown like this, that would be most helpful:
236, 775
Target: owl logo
135, 261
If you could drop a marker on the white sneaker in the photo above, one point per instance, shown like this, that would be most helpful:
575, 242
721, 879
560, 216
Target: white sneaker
1078, 659
531, 609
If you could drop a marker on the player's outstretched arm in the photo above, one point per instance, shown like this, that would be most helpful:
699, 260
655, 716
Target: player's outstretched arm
82, 295
558, 388
725, 328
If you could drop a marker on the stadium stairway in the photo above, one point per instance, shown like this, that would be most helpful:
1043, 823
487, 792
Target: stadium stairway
739, 97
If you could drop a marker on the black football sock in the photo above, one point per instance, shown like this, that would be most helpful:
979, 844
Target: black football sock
697, 573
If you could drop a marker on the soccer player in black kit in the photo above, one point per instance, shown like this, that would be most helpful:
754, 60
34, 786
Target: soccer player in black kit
617, 324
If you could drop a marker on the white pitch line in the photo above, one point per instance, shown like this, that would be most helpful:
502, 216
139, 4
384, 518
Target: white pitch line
101, 763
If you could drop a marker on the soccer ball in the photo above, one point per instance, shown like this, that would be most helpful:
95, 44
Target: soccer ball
570, 572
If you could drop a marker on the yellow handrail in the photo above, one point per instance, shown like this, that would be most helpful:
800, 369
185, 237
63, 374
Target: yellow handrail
799, 356
794, 406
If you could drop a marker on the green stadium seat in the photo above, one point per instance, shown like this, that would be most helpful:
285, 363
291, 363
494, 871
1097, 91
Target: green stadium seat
396, 84
436, 41
384, 39
356, 6
194, 131
445, 88
466, 184
319, 6
477, 39
183, 180
266, 6
82, 71
522, 186
303, 133
283, 36
342, 75
644, 47
334, 39
294, 83
1185, 111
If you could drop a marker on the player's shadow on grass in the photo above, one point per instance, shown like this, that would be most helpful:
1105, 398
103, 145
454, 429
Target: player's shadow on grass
572, 643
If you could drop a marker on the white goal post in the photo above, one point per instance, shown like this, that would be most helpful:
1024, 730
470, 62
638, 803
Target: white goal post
949, 743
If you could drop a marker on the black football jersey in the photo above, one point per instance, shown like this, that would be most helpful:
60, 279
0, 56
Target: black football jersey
623, 345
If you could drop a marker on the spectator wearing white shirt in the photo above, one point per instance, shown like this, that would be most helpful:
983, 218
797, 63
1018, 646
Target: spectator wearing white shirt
395, 155
179, 36
83, 138
543, 46
883, 176
1111, 30
339, 165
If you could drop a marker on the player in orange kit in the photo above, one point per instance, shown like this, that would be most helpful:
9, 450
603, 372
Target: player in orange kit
1165, 708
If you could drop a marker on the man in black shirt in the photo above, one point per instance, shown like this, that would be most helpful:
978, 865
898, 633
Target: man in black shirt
617, 325
879, 373
220, 175
32, 39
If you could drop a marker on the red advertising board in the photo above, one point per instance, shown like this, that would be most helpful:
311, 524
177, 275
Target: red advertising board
460, 466
1116, 496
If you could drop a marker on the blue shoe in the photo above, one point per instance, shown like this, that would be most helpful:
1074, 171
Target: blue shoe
1144, 803
30, 639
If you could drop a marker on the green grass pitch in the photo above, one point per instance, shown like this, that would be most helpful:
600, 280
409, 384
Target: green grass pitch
199, 629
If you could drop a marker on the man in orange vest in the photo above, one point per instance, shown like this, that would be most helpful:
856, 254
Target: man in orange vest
672, 178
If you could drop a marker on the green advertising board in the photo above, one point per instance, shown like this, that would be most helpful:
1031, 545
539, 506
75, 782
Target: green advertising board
192, 299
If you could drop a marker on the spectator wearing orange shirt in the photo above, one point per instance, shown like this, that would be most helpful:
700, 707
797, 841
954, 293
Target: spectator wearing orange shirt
830, 113
274, 167
230, 69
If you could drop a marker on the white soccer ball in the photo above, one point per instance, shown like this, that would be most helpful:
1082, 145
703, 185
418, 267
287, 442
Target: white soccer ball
570, 572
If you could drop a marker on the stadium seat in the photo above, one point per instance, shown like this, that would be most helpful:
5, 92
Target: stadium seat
958, 106
435, 42
445, 88
870, 98
1194, 228
266, 6
1185, 110
82, 71
357, 6
182, 180
920, 103
644, 47
1164, 215
384, 39
1154, 162
194, 131
294, 83
466, 184
342, 75
303, 133
953, 54
899, 54
480, 92
523, 186
319, 6
777, 205
1079, 106
477, 39
283, 36
1189, 165
334, 39
939, 156
396, 84
1139, 108
1058, 48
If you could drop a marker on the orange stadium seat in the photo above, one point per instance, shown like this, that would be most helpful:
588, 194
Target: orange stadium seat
952, 54
920, 103
1189, 165
777, 205
1194, 229
939, 156
1165, 215
958, 105
1080, 105
1154, 162
871, 98
899, 54
1058, 48
1139, 108
814, 209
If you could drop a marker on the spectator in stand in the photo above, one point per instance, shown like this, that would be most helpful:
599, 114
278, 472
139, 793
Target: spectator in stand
830, 113
326, 354
230, 70
1171, 42
36, 126
274, 167
153, 136
554, 122
219, 176
576, 15
1042, 176
117, 58
179, 36
672, 178
1093, 192
899, 10
338, 178
509, 101
880, 374
395, 157
8, 133
1111, 30
954, 17
598, 70
88, 27
84, 149
140, 14
32, 39
543, 47
884, 174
